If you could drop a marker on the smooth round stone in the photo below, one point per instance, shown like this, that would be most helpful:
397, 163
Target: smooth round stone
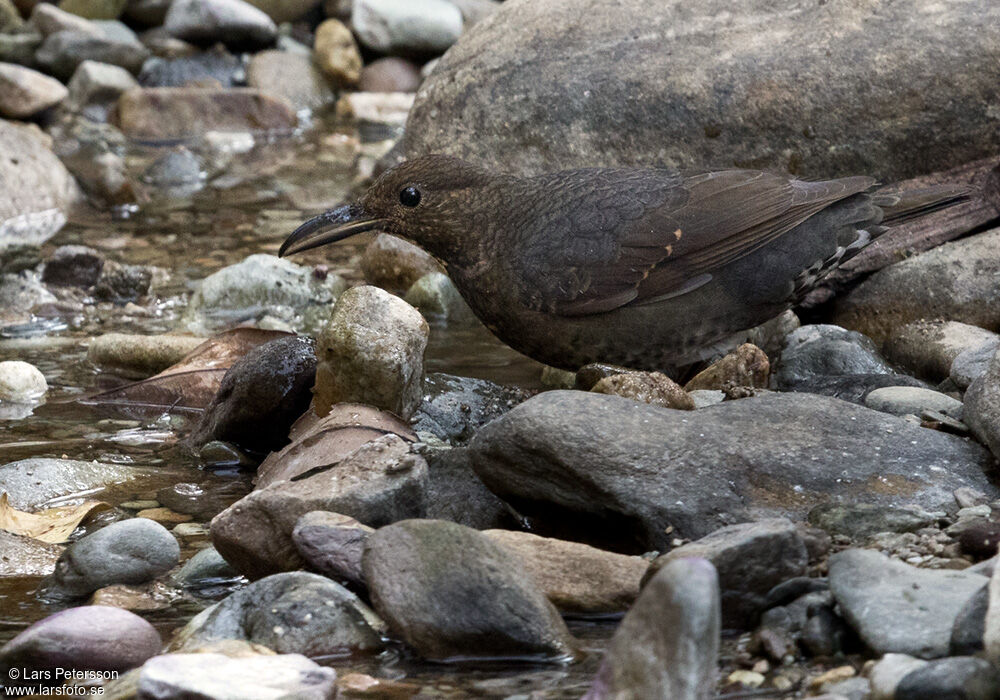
904, 400
94, 637
21, 382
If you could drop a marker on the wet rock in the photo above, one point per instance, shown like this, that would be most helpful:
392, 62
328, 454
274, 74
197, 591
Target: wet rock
128, 551
697, 96
395, 264
291, 76
982, 406
668, 644
971, 364
654, 388
463, 596
372, 351
182, 113
453, 408
406, 26
970, 625
212, 676
750, 559
332, 544
175, 169
820, 351
138, 356
36, 190
262, 285
860, 520
379, 483
746, 366
390, 74
95, 88
21, 382
261, 396
201, 501
73, 266
337, 54
291, 613
49, 19
960, 677
455, 493
216, 64
928, 348
956, 281
909, 400
25, 92
19, 295
120, 284
94, 637
576, 578
61, 53
889, 671
205, 568
94, 9
26, 556
31, 482
437, 298
236, 23
601, 468
897, 608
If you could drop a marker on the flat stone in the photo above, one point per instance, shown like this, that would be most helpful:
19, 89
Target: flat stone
898, 608
599, 468
928, 348
860, 520
911, 400
667, 646
26, 556
406, 26
34, 481
139, 355
234, 22
25, 92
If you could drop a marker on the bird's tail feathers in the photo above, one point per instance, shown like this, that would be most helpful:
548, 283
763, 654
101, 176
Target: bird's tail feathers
904, 206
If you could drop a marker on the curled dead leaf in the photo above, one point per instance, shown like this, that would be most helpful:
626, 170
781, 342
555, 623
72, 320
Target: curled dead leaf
52, 525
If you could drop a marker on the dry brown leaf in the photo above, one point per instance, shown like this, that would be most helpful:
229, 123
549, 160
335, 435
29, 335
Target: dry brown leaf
52, 525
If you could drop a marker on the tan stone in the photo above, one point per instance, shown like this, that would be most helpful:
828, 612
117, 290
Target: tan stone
747, 365
653, 388
25, 92
336, 52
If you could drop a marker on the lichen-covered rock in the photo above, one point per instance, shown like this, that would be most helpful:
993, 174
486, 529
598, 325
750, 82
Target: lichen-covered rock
653, 388
746, 366
336, 53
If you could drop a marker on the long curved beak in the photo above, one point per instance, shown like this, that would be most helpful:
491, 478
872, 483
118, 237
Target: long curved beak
335, 225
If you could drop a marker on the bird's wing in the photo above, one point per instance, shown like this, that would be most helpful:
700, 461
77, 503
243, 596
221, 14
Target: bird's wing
622, 237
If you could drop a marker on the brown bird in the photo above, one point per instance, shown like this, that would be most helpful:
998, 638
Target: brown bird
646, 268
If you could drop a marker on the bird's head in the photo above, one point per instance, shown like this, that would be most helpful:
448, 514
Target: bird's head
422, 200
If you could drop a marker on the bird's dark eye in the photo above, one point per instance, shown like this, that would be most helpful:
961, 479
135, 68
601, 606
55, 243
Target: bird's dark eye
409, 197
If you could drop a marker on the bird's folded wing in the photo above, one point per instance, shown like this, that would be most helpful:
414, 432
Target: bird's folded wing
638, 242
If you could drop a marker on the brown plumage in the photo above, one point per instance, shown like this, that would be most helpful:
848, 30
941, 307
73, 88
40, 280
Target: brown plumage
639, 267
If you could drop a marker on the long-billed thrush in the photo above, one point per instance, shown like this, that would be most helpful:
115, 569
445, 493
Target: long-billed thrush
639, 267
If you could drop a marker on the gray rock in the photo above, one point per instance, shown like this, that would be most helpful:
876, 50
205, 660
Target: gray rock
21, 382
820, 351
289, 75
395, 264
860, 520
260, 396
958, 281
262, 285
175, 169
128, 551
234, 22
95, 88
290, 613
889, 671
49, 19
213, 676
750, 559
971, 364
379, 483
601, 467
390, 74
36, 190
61, 53
406, 26
95, 637
695, 93
463, 595
26, 556
371, 351
982, 405
454, 408
991, 626
33, 481
121, 284
970, 625
20, 294
455, 493
897, 608
206, 567
437, 298
214, 65
957, 678
928, 348
25, 92
668, 644
909, 400
332, 544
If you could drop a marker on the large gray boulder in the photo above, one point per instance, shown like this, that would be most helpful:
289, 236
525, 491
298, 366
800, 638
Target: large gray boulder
887, 89
620, 473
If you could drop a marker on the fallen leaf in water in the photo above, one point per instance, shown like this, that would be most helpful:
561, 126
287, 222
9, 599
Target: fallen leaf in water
52, 525
191, 384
